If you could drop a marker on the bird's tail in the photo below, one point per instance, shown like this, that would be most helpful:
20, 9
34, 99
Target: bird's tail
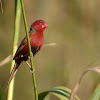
12, 74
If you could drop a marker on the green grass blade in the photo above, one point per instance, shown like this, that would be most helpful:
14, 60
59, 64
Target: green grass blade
31, 60
15, 41
61, 92
96, 94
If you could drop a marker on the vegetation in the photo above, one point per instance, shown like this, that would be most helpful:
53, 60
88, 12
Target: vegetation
74, 27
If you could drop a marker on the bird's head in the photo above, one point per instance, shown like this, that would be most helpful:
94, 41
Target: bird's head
39, 26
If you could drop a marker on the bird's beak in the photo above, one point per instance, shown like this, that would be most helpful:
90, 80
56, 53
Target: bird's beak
44, 25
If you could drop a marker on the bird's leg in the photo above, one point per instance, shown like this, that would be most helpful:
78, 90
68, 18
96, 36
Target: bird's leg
31, 71
28, 64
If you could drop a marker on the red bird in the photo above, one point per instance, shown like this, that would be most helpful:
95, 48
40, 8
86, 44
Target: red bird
36, 41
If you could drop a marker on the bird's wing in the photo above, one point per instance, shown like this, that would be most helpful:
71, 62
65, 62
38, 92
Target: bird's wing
21, 46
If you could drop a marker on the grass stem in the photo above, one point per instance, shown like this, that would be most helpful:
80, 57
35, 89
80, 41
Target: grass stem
15, 42
31, 60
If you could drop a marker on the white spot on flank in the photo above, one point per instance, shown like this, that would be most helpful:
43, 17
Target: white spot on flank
21, 56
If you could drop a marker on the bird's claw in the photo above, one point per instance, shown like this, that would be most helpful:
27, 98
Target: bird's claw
32, 70
29, 57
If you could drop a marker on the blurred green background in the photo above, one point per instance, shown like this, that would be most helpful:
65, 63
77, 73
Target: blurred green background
75, 26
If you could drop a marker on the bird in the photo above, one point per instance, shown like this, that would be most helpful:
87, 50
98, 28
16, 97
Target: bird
36, 38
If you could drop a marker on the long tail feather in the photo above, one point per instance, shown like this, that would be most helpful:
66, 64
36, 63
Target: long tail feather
14, 70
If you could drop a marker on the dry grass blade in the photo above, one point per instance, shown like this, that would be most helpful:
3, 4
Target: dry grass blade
1, 6
76, 87
49, 44
6, 60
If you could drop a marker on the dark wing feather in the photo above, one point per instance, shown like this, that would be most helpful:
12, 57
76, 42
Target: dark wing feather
21, 46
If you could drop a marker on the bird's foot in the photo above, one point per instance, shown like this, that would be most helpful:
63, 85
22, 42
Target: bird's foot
32, 70
29, 57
